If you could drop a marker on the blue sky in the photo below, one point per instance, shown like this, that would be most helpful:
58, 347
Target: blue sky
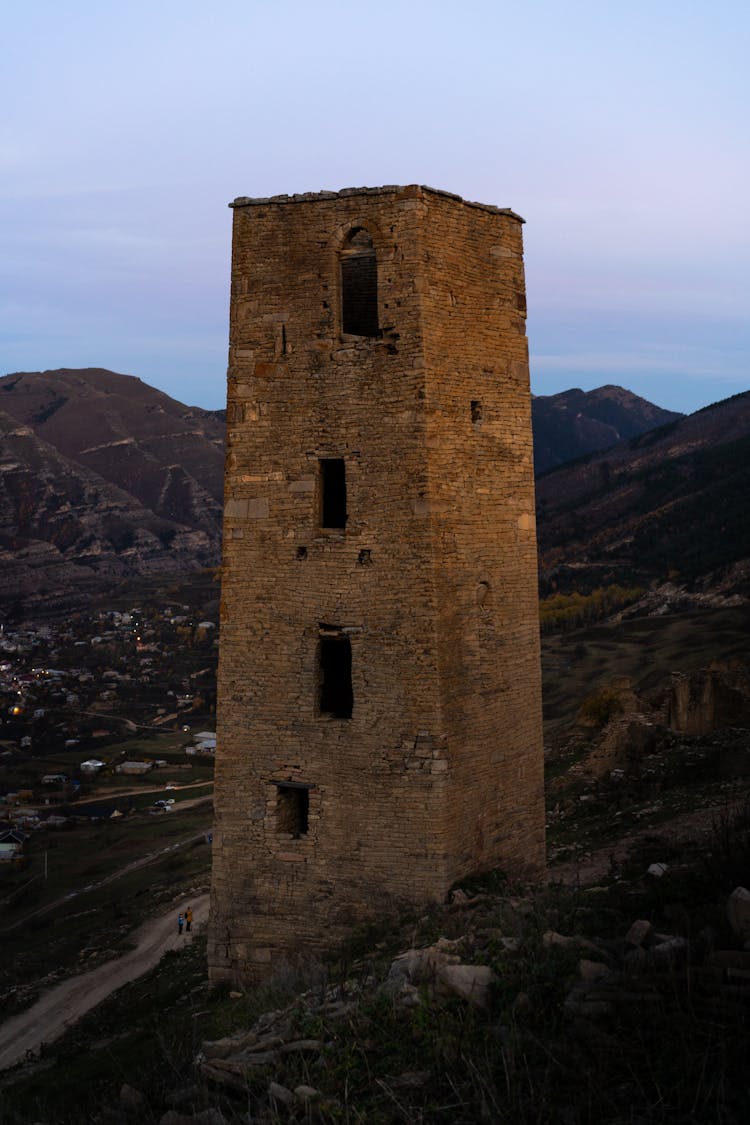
619, 131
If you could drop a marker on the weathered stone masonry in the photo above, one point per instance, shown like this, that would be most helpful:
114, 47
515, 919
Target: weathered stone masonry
379, 691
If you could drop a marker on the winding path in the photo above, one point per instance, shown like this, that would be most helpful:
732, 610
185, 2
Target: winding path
57, 1009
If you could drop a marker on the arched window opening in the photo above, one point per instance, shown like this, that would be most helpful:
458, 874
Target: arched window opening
359, 285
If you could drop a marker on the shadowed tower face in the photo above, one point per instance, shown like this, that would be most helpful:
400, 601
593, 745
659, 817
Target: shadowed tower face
379, 726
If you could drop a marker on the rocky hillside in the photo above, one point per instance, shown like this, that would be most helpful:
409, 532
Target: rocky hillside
622, 1002
103, 477
670, 504
573, 423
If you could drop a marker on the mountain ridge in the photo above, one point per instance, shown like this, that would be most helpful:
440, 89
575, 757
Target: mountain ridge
573, 423
102, 478
666, 504
105, 478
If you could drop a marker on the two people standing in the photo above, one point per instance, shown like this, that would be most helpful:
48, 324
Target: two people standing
185, 921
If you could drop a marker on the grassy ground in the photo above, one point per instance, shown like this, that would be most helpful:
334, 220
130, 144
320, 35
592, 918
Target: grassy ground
645, 649
664, 1054
93, 921
169, 746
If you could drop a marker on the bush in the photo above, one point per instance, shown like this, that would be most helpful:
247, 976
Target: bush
597, 709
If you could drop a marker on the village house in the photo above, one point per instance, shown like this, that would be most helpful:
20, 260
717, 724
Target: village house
12, 842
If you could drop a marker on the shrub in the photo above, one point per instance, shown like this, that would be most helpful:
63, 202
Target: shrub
597, 709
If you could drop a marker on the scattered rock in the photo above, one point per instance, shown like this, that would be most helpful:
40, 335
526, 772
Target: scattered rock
657, 870
592, 970
551, 937
738, 913
130, 1098
461, 901
302, 1046
640, 930
408, 996
172, 1117
420, 965
210, 1117
183, 1095
281, 1094
221, 1048
470, 982
307, 1093
668, 949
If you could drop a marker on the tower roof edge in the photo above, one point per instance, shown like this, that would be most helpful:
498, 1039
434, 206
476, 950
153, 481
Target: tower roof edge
388, 189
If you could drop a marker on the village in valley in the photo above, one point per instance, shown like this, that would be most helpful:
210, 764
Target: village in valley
107, 740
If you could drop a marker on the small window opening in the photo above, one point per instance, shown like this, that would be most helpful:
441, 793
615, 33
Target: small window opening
365, 557
336, 695
359, 286
333, 493
302, 552
476, 412
292, 809
284, 350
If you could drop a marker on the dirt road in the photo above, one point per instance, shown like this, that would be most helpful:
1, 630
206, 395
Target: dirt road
67, 1002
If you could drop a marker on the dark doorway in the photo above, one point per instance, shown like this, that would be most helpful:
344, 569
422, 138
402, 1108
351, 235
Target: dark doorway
333, 493
336, 695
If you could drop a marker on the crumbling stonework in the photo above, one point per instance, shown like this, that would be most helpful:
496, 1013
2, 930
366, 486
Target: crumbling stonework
379, 718
710, 698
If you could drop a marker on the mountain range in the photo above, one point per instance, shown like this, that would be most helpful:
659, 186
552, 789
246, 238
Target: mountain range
574, 422
668, 505
104, 478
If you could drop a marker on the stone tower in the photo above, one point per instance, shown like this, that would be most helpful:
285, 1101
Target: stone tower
379, 725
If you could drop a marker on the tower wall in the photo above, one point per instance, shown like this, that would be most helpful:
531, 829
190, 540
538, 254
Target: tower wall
322, 820
483, 534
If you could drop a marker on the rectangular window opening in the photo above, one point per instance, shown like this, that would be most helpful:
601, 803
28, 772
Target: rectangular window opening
292, 810
333, 493
336, 694
476, 412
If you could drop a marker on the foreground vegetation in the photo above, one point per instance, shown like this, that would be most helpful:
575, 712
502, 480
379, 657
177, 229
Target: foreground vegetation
102, 880
642, 1038
667, 1044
